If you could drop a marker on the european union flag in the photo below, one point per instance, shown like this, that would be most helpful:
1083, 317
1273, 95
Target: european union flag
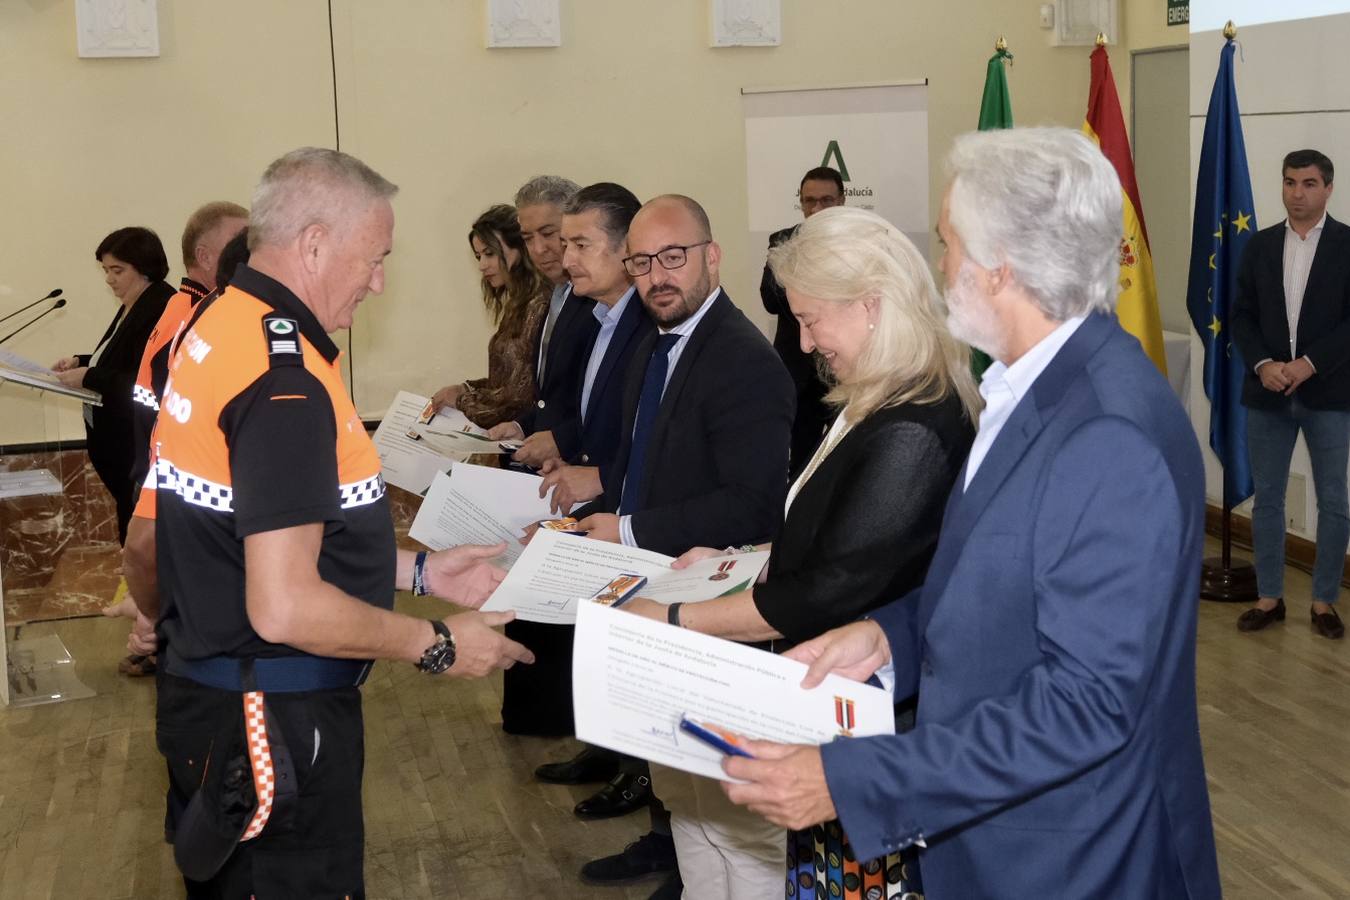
1224, 221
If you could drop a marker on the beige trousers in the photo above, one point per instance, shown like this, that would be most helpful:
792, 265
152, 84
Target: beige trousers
725, 851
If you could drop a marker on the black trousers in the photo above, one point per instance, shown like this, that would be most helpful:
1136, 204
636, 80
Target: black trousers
114, 471
537, 699
318, 851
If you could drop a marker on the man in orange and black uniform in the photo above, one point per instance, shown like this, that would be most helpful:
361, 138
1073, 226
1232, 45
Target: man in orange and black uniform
276, 558
208, 231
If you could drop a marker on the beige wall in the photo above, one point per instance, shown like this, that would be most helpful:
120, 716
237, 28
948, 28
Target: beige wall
91, 145
1144, 23
633, 95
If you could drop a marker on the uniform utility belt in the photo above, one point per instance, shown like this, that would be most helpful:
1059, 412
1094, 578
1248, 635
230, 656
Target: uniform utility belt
280, 674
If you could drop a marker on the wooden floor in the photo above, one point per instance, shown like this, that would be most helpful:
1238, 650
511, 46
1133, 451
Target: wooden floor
452, 813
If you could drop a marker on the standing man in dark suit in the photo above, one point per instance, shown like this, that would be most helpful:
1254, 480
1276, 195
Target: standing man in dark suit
1056, 751
565, 337
821, 188
1291, 322
595, 228
703, 463
537, 700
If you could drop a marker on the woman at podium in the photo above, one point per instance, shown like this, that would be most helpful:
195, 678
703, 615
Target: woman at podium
134, 267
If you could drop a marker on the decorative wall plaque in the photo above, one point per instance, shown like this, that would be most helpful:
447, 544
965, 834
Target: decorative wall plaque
523, 23
746, 23
117, 27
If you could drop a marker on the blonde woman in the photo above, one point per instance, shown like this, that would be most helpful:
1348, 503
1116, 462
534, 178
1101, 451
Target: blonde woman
862, 519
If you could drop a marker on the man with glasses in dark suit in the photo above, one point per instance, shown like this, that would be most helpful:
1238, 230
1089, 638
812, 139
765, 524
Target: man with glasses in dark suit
704, 463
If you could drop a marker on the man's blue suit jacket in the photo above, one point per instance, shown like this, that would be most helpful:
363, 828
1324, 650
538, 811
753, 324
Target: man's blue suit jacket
593, 436
1057, 746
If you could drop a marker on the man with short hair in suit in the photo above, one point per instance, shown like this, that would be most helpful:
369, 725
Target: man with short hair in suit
1291, 323
820, 188
703, 463
564, 338
537, 700
1056, 750
595, 227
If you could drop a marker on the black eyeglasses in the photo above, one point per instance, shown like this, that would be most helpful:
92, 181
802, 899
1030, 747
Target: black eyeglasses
669, 258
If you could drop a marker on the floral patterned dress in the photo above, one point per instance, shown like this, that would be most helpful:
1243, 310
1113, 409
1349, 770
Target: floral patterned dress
509, 388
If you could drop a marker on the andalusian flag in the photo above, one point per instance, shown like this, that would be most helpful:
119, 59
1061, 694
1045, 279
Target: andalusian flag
1137, 307
996, 106
995, 112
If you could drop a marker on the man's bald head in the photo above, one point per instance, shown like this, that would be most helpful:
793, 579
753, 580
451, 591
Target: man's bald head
672, 238
677, 204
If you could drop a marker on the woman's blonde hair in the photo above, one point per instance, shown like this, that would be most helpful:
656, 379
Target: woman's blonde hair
844, 255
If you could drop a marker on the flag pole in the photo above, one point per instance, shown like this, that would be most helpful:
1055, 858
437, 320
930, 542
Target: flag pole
1220, 578
1222, 182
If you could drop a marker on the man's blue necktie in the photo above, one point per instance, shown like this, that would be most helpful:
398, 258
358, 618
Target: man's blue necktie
649, 403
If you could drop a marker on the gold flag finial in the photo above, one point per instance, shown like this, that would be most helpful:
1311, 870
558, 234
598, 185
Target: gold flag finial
1101, 39
1230, 30
1001, 44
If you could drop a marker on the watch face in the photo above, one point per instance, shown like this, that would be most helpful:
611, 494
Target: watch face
438, 657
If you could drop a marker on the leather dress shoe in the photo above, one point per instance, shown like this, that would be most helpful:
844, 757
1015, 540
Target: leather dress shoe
1256, 618
591, 764
1328, 624
624, 794
651, 854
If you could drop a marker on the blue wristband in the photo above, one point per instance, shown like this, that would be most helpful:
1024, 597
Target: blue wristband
419, 578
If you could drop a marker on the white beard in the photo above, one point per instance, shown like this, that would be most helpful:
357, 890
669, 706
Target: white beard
969, 316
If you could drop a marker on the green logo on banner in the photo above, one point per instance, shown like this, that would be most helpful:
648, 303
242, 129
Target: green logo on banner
833, 151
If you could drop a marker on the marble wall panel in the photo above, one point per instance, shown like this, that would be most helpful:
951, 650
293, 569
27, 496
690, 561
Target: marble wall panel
58, 552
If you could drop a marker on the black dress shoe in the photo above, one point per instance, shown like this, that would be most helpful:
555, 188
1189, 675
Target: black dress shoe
591, 764
673, 889
624, 794
1256, 618
1328, 624
651, 854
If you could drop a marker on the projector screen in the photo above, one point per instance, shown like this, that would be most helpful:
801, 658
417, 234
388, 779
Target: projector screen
1210, 15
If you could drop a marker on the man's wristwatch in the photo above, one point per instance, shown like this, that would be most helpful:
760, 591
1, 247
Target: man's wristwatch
441, 654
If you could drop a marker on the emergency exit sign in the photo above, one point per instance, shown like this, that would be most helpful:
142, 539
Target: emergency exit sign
1178, 12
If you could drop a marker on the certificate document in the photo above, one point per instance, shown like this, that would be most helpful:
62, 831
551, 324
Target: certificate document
559, 571
407, 460
21, 370
633, 679
480, 505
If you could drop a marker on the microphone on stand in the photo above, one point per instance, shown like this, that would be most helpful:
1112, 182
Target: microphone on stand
54, 307
54, 293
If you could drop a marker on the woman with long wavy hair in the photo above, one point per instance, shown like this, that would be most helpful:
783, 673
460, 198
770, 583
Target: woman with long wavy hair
516, 297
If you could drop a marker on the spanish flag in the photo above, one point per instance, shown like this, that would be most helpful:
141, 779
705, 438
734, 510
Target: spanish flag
1138, 303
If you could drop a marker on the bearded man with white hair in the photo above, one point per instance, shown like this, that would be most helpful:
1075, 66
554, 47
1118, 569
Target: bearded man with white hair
1057, 747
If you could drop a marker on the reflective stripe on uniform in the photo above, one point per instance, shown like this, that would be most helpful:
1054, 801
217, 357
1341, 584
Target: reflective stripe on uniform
144, 396
193, 488
361, 493
220, 497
